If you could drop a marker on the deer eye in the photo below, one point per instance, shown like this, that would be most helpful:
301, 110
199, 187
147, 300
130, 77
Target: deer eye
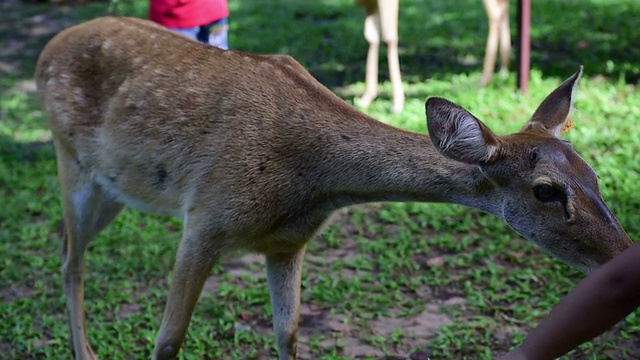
546, 193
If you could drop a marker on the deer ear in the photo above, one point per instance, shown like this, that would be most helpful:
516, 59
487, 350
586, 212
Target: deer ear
457, 134
552, 116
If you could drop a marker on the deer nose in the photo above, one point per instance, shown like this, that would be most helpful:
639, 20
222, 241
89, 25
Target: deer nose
616, 244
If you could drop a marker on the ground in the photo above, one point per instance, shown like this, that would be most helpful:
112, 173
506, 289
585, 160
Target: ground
382, 281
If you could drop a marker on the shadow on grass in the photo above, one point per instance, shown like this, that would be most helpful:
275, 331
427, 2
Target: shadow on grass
437, 39
20, 153
25, 28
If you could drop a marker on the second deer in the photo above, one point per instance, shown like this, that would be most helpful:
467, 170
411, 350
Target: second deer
381, 24
254, 154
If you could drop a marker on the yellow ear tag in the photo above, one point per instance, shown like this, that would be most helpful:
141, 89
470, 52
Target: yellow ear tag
567, 126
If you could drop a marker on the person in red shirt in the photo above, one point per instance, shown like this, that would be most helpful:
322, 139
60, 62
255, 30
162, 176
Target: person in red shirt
204, 20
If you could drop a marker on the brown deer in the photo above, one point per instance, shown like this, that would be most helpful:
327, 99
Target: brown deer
254, 154
381, 23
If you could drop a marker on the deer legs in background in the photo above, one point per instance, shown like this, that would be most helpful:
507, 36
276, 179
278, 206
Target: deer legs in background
498, 15
381, 23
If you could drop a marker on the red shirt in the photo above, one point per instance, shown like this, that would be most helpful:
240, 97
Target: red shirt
187, 13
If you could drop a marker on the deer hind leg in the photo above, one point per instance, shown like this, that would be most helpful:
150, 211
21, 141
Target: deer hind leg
388, 10
284, 272
195, 258
87, 210
505, 38
498, 16
372, 35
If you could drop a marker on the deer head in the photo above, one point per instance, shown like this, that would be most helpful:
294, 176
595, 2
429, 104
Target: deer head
540, 186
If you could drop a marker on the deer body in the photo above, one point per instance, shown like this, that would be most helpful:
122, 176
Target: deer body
254, 154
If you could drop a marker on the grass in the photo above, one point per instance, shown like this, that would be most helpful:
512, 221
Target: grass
383, 280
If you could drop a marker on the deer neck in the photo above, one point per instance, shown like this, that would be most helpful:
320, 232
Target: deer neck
380, 163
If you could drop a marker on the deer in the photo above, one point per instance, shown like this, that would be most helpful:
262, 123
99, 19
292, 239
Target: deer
254, 155
381, 23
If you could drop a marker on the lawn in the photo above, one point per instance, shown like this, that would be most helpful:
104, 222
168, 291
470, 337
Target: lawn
382, 281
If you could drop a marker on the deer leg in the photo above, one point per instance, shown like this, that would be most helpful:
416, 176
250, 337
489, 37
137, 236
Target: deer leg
505, 39
493, 15
498, 16
194, 261
389, 29
372, 35
87, 209
397, 91
284, 271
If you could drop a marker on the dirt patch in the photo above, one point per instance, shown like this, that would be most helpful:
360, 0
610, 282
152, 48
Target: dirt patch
15, 292
249, 265
127, 310
423, 325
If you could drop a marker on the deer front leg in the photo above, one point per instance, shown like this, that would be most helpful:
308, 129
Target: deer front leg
491, 49
388, 10
284, 271
397, 90
372, 35
505, 39
194, 261
498, 16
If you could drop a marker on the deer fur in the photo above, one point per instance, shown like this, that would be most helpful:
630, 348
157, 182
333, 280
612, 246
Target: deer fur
254, 154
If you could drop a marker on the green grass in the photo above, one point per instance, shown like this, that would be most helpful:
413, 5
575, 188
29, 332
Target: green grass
377, 269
